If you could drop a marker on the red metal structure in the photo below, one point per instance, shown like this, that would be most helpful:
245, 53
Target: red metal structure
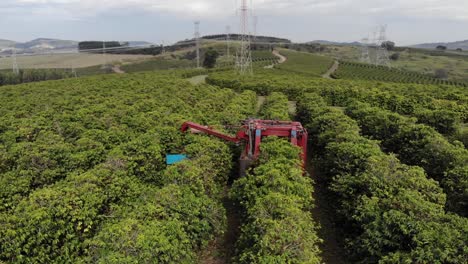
251, 133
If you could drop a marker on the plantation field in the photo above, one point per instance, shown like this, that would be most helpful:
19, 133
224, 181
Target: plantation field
305, 63
415, 60
84, 179
76, 60
360, 71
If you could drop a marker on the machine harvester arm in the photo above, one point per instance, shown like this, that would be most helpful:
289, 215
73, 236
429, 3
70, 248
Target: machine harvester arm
197, 127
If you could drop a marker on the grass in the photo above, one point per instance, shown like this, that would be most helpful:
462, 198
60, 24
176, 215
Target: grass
76, 60
417, 60
158, 64
306, 63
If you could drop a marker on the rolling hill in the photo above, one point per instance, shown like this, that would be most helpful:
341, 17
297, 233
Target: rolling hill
463, 44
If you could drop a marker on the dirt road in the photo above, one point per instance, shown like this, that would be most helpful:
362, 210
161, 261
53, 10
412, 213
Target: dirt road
332, 70
282, 59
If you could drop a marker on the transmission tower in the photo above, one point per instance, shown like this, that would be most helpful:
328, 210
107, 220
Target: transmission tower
104, 59
15, 62
228, 40
73, 70
365, 57
244, 55
381, 49
197, 41
255, 24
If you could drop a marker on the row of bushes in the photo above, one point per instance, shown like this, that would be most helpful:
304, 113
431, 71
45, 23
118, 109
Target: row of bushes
390, 212
106, 194
276, 199
353, 70
108, 215
420, 145
442, 107
276, 107
34, 75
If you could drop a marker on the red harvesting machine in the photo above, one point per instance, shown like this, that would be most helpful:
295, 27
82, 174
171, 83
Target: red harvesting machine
251, 133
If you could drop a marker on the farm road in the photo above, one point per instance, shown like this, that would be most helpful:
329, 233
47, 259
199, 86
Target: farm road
332, 70
282, 59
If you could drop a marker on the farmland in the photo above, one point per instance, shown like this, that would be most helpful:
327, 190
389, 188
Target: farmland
84, 178
67, 61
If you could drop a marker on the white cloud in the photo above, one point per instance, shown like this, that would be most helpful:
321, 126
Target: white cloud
448, 9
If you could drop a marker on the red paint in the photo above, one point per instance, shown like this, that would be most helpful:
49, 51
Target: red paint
266, 128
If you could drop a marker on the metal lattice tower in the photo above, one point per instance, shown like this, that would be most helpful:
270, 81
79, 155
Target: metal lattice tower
365, 57
228, 41
255, 24
15, 62
244, 55
197, 41
73, 70
104, 59
381, 51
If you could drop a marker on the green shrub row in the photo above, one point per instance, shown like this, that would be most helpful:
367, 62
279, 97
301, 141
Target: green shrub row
276, 107
443, 107
419, 145
351, 70
276, 199
97, 145
389, 212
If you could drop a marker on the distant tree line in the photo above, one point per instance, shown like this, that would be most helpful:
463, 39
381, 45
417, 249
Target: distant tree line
33, 75
115, 47
96, 45
257, 38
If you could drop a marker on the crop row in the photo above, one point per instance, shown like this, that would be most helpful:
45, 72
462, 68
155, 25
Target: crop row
95, 150
443, 107
351, 70
390, 212
276, 199
305, 63
420, 145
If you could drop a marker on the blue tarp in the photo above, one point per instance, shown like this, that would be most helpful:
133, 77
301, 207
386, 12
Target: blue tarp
174, 158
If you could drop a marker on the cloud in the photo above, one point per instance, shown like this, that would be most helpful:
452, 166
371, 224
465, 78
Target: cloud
448, 9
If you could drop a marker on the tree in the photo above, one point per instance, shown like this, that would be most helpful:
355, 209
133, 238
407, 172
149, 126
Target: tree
460, 49
210, 58
395, 56
441, 47
441, 73
389, 45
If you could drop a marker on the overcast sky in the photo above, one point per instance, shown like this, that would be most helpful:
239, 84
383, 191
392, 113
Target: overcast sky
409, 21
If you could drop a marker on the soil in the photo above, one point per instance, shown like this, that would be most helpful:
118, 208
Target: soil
332, 70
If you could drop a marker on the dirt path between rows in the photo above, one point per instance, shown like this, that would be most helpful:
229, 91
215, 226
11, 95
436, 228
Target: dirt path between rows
199, 79
117, 69
282, 59
332, 70
332, 250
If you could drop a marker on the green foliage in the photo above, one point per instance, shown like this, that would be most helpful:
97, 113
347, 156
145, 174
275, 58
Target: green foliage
276, 107
361, 71
418, 145
211, 56
305, 63
390, 212
34, 75
276, 199
83, 175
